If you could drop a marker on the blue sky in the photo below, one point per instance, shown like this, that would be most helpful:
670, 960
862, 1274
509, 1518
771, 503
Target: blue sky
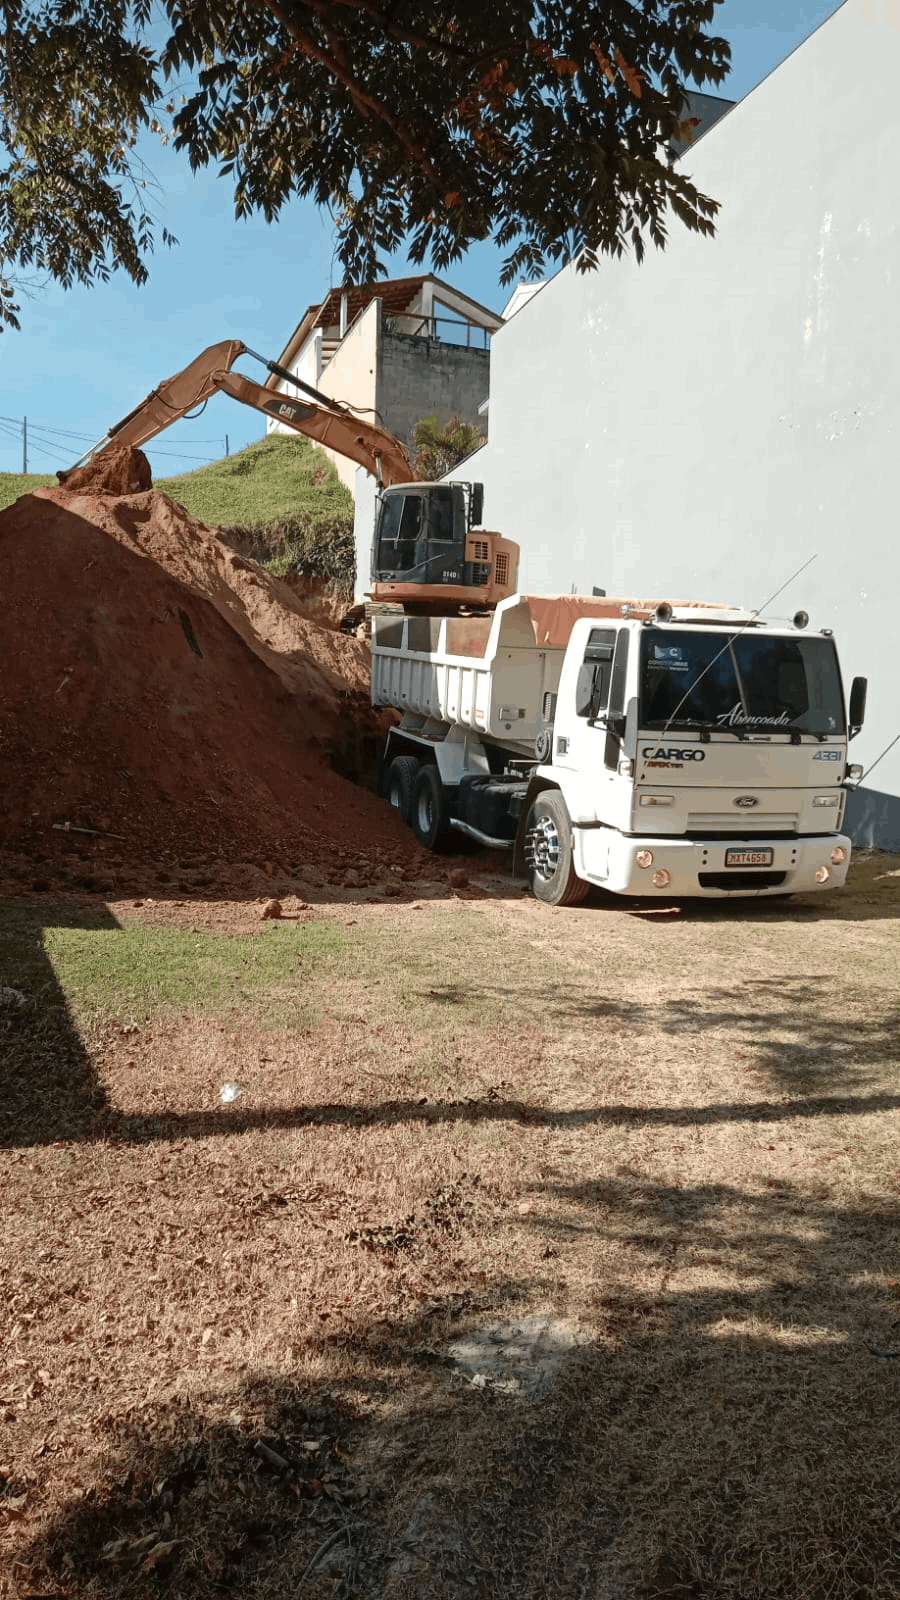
84, 357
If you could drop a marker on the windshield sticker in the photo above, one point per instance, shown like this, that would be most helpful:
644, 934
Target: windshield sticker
737, 717
671, 656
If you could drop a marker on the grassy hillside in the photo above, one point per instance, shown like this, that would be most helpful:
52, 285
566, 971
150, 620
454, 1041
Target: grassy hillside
14, 484
277, 477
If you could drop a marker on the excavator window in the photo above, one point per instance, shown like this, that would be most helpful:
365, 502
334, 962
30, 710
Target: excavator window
442, 516
400, 523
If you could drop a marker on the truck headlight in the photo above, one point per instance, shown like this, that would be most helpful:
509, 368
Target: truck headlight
644, 858
661, 878
657, 800
838, 855
825, 799
822, 874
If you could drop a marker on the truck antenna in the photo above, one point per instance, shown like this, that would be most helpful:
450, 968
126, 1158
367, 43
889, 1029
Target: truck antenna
754, 615
767, 603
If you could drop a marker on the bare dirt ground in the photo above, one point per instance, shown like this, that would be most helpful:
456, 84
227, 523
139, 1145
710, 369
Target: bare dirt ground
422, 1241
285, 1345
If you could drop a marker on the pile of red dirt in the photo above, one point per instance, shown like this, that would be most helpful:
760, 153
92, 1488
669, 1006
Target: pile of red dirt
166, 700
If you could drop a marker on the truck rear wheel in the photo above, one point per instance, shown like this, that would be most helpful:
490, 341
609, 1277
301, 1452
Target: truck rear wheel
429, 808
548, 853
401, 781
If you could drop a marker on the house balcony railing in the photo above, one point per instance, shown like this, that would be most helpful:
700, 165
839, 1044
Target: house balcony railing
450, 330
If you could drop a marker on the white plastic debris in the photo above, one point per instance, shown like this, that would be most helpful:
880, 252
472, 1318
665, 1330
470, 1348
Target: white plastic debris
11, 997
230, 1092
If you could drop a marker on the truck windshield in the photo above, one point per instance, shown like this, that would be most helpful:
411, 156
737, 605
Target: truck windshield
740, 682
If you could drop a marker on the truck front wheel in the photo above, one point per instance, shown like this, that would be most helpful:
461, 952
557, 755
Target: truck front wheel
429, 808
548, 852
401, 781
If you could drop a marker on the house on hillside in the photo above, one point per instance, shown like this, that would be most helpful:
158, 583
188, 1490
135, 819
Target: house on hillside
396, 351
705, 424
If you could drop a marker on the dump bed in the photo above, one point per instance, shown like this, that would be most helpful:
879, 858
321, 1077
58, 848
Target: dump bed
488, 673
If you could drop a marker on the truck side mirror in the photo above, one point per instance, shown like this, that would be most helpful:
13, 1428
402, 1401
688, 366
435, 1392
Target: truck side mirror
857, 713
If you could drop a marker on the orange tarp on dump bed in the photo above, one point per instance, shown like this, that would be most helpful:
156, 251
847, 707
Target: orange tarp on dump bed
554, 615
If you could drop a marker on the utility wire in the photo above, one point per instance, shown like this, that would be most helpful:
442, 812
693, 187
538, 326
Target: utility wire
40, 427
41, 449
179, 455
67, 433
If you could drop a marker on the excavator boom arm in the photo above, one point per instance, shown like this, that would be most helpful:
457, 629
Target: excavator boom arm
332, 425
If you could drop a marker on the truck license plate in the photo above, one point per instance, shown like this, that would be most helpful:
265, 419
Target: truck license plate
748, 858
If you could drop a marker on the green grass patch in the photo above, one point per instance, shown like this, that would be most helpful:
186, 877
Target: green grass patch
275, 478
14, 484
142, 972
284, 974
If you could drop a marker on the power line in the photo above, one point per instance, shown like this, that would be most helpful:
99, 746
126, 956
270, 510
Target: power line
66, 433
177, 455
41, 450
53, 451
40, 428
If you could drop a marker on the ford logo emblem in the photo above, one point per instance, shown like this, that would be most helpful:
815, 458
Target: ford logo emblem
746, 801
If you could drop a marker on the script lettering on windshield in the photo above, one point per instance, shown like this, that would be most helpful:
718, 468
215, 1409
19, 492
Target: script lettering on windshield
737, 717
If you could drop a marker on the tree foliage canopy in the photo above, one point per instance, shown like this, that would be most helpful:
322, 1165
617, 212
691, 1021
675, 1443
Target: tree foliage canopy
545, 125
439, 449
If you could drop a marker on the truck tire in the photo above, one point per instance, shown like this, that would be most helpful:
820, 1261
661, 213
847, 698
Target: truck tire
548, 852
400, 783
429, 808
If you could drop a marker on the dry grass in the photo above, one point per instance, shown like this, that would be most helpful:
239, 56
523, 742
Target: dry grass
225, 1366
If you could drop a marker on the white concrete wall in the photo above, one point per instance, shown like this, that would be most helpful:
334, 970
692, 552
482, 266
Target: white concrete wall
350, 375
705, 423
363, 527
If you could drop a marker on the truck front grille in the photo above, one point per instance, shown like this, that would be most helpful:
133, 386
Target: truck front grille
742, 822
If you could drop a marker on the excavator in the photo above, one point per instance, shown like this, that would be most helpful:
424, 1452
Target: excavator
429, 553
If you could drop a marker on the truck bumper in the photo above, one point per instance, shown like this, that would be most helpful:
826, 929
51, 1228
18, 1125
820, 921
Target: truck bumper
687, 867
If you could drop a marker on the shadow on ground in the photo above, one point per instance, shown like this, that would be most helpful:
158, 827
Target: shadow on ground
788, 1027
728, 1432
48, 1086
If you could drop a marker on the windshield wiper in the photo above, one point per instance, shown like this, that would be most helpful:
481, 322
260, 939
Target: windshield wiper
704, 728
794, 734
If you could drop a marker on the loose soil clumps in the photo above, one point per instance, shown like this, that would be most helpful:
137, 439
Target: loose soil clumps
165, 697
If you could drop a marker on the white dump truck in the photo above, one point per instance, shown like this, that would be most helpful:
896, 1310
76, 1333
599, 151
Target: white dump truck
649, 748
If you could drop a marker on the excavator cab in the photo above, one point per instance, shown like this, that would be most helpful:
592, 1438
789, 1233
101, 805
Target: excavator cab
429, 554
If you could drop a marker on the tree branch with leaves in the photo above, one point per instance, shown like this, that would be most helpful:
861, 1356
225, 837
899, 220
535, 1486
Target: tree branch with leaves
547, 126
